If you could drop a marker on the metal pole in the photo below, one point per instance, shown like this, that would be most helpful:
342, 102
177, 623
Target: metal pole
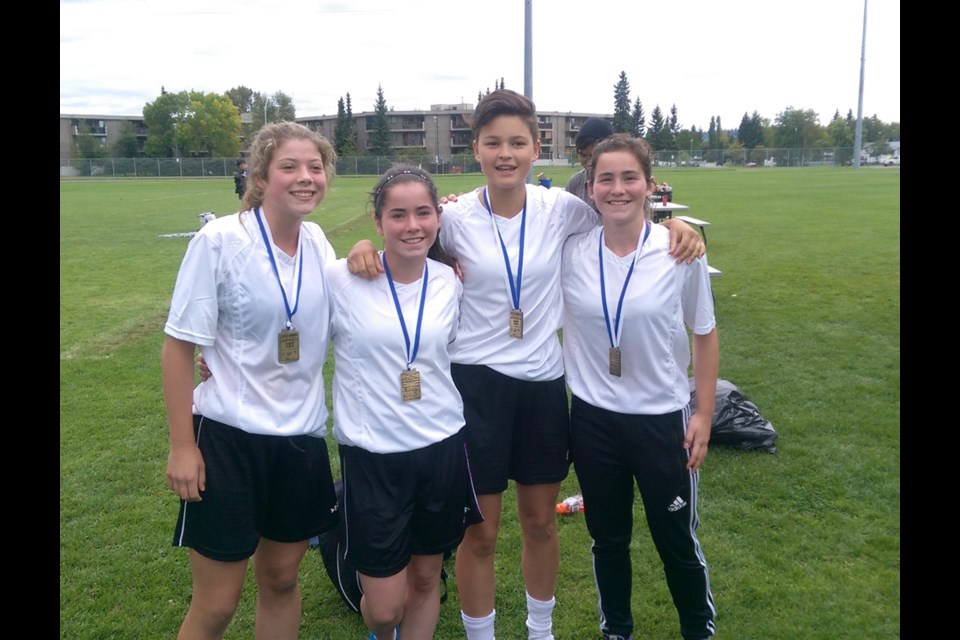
858, 137
528, 58
436, 124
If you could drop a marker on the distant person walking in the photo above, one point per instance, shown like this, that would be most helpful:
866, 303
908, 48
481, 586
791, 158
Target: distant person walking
240, 179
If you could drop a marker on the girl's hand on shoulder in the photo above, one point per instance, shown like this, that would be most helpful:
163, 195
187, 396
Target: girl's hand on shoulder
686, 245
364, 261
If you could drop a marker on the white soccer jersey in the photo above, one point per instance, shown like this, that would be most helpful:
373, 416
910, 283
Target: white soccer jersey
227, 300
662, 299
370, 353
468, 234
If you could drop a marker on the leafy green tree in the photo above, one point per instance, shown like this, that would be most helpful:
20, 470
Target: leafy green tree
161, 117
839, 132
796, 128
192, 122
276, 108
712, 137
125, 145
88, 146
211, 127
285, 111
622, 120
242, 97
689, 140
638, 119
380, 137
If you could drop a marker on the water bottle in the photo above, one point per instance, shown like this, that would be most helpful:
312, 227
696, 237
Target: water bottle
573, 504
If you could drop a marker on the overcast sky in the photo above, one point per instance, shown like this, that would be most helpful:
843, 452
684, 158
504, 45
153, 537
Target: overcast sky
709, 57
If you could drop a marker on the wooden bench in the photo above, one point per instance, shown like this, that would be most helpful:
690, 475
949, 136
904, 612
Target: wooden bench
702, 224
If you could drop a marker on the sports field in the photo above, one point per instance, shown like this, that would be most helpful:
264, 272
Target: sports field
803, 544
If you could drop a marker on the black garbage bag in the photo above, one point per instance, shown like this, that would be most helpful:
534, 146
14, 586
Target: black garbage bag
737, 421
344, 577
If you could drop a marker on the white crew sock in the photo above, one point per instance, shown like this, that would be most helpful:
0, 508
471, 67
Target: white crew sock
540, 618
479, 628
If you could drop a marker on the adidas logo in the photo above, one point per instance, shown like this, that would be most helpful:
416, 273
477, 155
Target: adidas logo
677, 504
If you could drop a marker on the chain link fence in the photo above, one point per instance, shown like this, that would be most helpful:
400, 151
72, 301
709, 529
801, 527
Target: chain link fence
225, 167
376, 165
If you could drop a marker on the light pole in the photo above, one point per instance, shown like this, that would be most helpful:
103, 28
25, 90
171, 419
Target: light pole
796, 142
436, 126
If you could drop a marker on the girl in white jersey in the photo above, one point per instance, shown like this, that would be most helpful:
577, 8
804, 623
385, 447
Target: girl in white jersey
247, 452
507, 238
397, 414
627, 306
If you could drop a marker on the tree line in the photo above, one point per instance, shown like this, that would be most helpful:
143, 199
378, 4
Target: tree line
792, 128
194, 123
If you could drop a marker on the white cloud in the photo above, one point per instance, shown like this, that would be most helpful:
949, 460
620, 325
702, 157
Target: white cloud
708, 58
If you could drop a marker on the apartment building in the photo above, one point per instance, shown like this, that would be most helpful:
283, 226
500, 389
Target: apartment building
441, 132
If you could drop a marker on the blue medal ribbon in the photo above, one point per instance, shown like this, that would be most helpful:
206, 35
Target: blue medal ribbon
276, 271
411, 356
514, 288
614, 332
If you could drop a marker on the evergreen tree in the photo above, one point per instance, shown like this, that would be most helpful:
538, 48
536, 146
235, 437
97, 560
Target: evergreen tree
350, 146
340, 128
380, 137
622, 119
712, 134
750, 132
674, 121
656, 124
639, 118
659, 134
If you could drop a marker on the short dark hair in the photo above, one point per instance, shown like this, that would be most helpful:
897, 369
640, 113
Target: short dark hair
593, 129
504, 102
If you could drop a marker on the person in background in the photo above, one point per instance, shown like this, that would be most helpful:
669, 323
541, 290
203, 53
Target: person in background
592, 130
507, 238
627, 306
240, 178
398, 417
248, 458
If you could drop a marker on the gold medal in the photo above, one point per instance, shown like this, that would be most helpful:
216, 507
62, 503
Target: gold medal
409, 385
516, 324
288, 346
615, 361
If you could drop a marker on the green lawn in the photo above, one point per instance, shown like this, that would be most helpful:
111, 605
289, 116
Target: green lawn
803, 544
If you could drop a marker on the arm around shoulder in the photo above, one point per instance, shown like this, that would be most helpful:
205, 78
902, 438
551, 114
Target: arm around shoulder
686, 245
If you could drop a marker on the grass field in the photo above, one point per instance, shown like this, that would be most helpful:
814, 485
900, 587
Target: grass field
803, 544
